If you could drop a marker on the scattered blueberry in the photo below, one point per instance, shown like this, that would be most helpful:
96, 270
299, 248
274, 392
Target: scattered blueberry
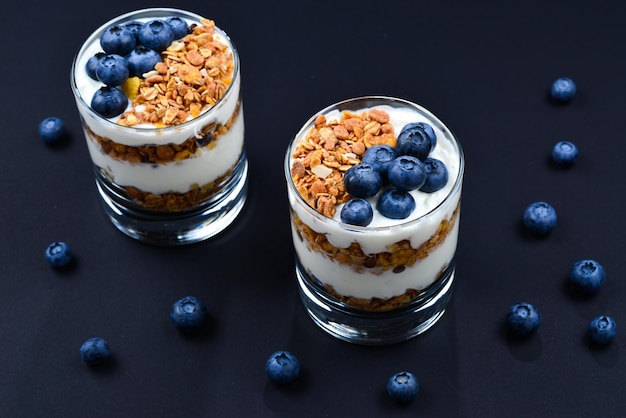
109, 102
95, 351
587, 276
540, 218
52, 129
92, 64
112, 70
156, 34
179, 26
362, 181
402, 386
395, 204
415, 141
522, 319
564, 153
380, 157
436, 175
134, 27
58, 254
117, 40
602, 329
357, 212
406, 173
563, 89
188, 313
282, 367
141, 60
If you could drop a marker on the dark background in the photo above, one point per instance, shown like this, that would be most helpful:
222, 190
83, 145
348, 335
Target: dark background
484, 68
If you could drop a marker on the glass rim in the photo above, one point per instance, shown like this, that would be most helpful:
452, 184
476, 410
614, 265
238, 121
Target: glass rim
379, 100
155, 12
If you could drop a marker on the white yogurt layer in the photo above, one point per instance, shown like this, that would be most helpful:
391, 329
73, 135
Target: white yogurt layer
207, 165
431, 210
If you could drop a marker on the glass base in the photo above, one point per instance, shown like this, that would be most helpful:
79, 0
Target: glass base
169, 229
375, 328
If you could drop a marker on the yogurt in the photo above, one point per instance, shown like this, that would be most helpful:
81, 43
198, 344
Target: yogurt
389, 259
201, 153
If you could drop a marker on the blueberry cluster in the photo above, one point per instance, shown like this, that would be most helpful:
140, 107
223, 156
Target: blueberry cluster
130, 50
395, 171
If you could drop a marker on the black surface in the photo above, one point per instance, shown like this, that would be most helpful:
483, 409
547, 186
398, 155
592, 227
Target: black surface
483, 67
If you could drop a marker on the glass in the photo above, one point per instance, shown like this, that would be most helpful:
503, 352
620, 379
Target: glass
388, 281
173, 181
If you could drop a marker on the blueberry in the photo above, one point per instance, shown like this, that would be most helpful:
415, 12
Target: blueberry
157, 35
395, 204
141, 60
362, 180
95, 351
380, 157
58, 254
563, 89
188, 313
92, 64
179, 26
112, 70
52, 129
540, 218
357, 212
415, 141
522, 319
109, 102
587, 276
402, 386
134, 27
564, 153
436, 175
406, 173
602, 329
282, 367
117, 40
428, 129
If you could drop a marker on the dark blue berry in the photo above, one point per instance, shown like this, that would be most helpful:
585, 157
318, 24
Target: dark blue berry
413, 140
395, 204
563, 89
188, 313
52, 129
602, 329
428, 129
282, 367
564, 153
134, 27
436, 175
587, 276
522, 319
117, 40
157, 35
92, 64
402, 386
380, 157
112, 70
362, 180
406, 173
141, 60
357, 212
95, 351
179, 26
540, 218
109, 102
58, 254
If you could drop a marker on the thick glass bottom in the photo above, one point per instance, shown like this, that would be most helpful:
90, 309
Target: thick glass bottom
169, 229
375, 328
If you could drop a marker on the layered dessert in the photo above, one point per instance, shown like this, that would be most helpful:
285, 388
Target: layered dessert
388, 262
178, 137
